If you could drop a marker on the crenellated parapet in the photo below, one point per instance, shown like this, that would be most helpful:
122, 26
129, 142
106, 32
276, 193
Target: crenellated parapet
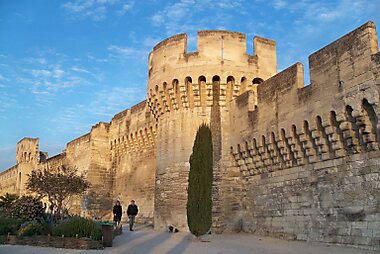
333, 117
134, 142
338, 135
181, 80
132, 131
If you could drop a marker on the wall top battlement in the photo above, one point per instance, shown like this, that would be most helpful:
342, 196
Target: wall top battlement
221, 33
83, 138
173, 40
331, 63
358, 39
130, 111
333, 68
218, 52
264, 40
205, 37
209, 37
26, 139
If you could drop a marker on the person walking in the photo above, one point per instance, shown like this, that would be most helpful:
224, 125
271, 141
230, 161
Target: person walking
117, 212
132, 212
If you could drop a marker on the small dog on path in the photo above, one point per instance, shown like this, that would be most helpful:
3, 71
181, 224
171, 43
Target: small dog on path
172, 229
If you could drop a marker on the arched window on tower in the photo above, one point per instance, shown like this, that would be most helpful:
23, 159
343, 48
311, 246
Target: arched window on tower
243, 85
257, 81
230, 88
202, 90
215, 78
189, 90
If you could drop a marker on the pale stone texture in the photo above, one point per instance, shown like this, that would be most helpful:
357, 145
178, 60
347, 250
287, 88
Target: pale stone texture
291, 161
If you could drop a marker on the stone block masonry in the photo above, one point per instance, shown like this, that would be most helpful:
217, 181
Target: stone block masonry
290, 161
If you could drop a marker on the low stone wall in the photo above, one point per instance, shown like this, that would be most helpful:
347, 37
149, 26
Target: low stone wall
54, 241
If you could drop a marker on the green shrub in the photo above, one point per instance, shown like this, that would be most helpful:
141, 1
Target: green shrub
6, 202
27, 208
32, 228
9, 225
199, 202
78, 226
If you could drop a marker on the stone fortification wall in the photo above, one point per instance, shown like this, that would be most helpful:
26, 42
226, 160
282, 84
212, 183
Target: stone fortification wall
9, 181
133, 158
78, 152
28, 158
292, 161
309, 155
188, 89
117, 158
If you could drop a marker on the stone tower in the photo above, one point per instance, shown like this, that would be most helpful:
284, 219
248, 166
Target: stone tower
27, 156
187, 89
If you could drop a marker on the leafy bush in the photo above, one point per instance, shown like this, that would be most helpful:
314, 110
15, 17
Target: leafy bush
6, 203
27, 208
57, 184
32, 228
199, 202
9, 225
78, 226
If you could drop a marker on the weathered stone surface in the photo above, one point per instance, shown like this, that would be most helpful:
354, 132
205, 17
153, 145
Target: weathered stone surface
291, 161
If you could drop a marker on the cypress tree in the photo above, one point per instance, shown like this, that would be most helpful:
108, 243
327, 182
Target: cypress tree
199, 194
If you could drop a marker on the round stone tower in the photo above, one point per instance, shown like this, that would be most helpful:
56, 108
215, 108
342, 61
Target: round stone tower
187, 89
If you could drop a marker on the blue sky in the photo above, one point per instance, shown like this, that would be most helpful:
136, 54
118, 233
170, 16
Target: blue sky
66, 65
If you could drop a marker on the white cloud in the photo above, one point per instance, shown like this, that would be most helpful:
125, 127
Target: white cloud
280, 4
79, 69
72, 119
40, 73
96, 10
126, 8
40, 92
78, 6
151, 42
105, 104
58, 73
35, 60
96, 59
329, 16
157, 19
124, 52
110, 101
228, 4
179, 17
7, 102
50, 76
2, 78
326, 11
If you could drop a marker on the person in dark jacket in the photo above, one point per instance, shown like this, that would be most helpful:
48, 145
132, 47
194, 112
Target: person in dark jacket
117, 211
132, 212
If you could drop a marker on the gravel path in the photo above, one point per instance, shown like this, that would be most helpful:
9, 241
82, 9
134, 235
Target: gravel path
145, 240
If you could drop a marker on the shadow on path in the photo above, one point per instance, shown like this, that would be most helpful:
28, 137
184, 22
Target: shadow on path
127, 237
181, 246
146, 246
